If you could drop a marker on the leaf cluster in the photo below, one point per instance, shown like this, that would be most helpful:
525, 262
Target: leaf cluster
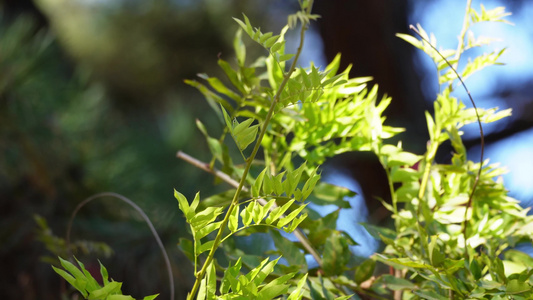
84, 282
454, 225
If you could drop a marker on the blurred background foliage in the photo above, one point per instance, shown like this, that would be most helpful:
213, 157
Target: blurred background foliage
92, 99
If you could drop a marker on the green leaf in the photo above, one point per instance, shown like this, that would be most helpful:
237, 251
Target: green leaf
246, 215
326, 194
270, 41
275, 288
493, 15
278, 212
187, 248
229, 281
295, 223
123, 297
365, 270
111, 288
296, 294
264, 271
430, 295
277, 181
395, 283
475, 269
76, 283
71, 268
103, 273
277, 46
212, 98
247, 26
233, 223
293, 254
215, 147
377, 232
515, 286
92, 284
211, 280
336, 254
247, 136
182, 201
286, 220
240, 49
207, 229
232, 75
258, 183
258, 213
435, 255
151, 297
285, 57
205, 247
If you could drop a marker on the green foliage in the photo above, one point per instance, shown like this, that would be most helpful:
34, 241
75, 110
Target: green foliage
58, 246
90, 289
444, 244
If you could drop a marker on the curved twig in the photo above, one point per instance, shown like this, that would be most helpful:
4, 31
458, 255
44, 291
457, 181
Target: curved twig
476, 181
143, 215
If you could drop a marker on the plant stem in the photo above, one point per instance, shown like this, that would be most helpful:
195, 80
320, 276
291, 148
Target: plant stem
206, 167
466, 24
249, 161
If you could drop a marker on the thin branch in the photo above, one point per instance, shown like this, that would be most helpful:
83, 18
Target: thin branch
225, 177
143, 215
249, 160
481, 135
